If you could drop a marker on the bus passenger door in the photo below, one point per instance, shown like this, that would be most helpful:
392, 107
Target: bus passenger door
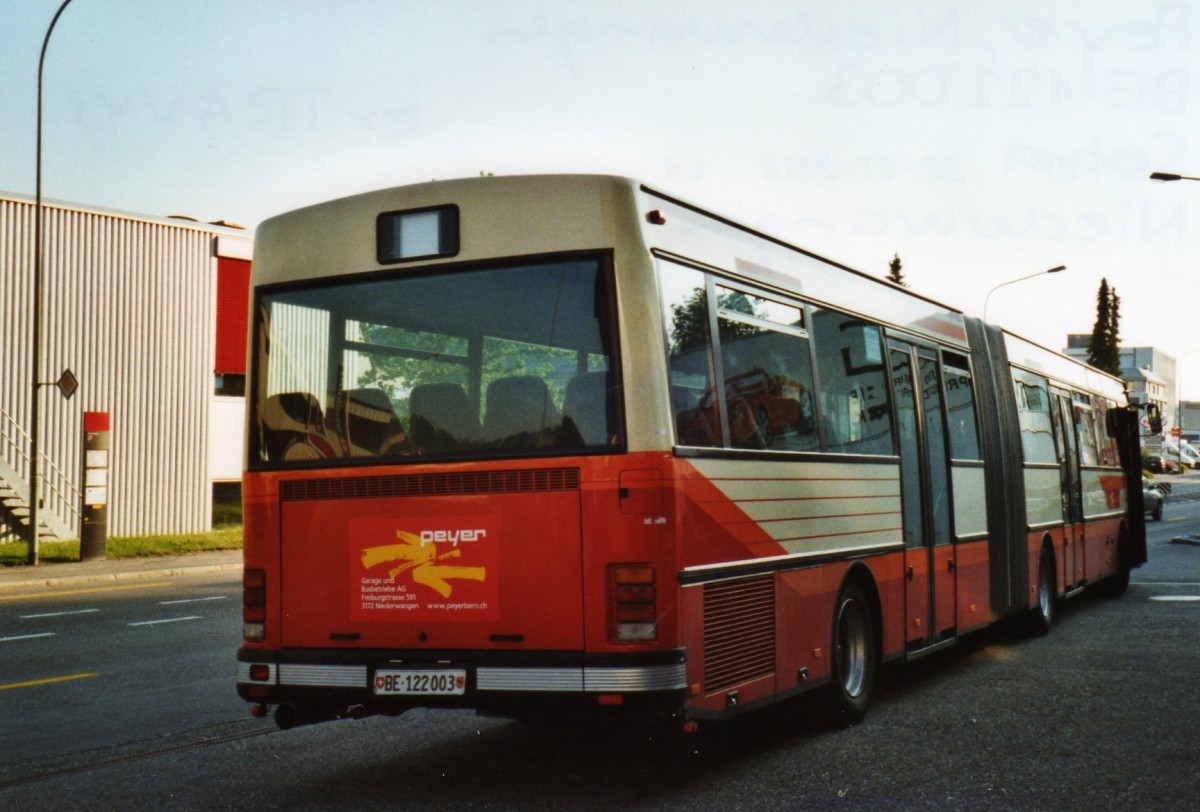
929, 563
1072, 492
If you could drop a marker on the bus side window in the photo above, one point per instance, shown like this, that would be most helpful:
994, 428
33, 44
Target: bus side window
765, 357
1109, 455
1085, 429
689, 356
853, 393
1033, 410
960, 407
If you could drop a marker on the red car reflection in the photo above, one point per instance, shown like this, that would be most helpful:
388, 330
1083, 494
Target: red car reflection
760, 408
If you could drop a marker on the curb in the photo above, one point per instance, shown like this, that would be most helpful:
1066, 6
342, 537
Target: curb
23, 580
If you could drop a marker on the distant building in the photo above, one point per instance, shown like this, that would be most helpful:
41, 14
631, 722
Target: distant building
1146, 387
149, 313
1190, 421
1150, 376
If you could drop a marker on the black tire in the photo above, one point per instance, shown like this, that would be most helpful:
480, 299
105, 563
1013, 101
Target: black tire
1041, 616
855, 651
1116, 585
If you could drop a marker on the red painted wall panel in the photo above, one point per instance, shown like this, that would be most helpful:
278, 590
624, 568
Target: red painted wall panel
233, 296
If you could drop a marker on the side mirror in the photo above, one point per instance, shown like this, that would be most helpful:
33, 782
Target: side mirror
1112, 422
1155, 418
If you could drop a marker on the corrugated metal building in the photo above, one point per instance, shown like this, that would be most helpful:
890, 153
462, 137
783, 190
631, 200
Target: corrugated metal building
150, 316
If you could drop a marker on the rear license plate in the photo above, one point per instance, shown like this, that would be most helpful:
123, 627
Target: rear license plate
421, 682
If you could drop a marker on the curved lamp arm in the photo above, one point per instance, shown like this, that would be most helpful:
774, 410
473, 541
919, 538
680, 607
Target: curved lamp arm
1055, 269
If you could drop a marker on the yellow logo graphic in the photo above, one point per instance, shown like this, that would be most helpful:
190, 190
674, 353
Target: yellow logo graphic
422, 559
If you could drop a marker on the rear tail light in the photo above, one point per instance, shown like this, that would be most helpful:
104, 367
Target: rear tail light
634, 609
254, 605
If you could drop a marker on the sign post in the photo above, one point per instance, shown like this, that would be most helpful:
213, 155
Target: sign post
93, 531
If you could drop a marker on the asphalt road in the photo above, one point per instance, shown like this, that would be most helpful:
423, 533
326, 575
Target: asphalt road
94, 667
1104, 713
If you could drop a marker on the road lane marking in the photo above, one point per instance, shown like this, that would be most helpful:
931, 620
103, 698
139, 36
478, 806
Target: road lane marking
59, 614
1176, 598
25, 637
165, 620
92, 591
47, 681
194, 600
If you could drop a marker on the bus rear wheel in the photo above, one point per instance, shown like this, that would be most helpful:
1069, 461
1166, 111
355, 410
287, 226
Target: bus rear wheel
1115, 585
855, 656
1041, 617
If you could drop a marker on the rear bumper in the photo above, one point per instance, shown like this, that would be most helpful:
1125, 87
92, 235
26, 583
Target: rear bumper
500, 682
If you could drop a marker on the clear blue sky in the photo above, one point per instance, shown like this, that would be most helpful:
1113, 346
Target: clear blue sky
980, 141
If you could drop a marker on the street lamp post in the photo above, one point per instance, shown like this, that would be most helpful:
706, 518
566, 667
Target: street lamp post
36, 363
1171, 176
1179, 394
1055, 269
1167, 176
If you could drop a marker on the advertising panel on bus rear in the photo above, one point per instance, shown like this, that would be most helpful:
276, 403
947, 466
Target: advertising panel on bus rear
428, 569
440, 571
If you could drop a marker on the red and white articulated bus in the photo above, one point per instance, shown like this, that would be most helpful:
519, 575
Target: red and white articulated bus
538, 444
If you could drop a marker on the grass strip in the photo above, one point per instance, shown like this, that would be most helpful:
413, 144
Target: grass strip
221, 538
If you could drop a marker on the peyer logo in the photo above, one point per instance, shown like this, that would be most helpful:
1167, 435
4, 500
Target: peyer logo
452, 537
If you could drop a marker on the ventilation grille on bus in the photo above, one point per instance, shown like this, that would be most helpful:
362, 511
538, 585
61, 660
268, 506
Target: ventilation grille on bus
739, 632
457, 484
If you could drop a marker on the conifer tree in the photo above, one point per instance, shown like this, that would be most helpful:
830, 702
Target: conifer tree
894, 273
1104, 348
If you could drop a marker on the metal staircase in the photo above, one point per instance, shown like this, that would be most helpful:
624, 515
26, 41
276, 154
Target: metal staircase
14, 490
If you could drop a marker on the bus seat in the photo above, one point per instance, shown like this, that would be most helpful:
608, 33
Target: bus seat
516, 406
371, 424
286, 418
441, 417
586, 406
294, 411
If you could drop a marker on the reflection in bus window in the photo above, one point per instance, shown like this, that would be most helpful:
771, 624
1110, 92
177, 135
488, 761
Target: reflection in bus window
1107, 448
853, 402
689, 356
468, 362
1085, 428
1033, 410
960, 408
935, 449
765, 401
767, 365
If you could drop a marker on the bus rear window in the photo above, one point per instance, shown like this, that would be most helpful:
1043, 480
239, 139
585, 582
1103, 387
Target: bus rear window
477, 362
